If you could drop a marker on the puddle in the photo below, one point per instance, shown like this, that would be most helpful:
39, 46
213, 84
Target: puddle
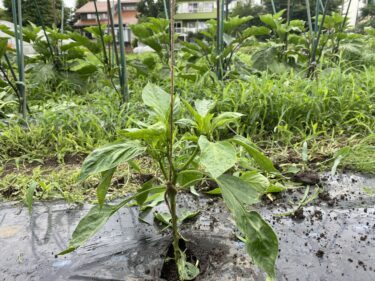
334, 241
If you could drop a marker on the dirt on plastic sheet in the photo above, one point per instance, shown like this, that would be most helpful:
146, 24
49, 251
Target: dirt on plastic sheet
331, 239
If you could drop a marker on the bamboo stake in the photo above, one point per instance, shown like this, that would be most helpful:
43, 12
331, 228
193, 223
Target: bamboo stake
273, 7
101, 36
313, 60
17, 20
308, 10
123, 79
165, 9
45, 32
62, 17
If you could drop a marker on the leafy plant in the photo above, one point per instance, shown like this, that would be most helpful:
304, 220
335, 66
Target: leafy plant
193, 153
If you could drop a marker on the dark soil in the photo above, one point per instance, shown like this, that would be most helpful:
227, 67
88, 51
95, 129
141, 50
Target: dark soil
49, 163
169, 271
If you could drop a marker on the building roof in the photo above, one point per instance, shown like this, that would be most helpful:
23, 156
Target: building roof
89, 7
128, 17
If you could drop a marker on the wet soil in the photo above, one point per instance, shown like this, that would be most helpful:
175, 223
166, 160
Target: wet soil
331, 239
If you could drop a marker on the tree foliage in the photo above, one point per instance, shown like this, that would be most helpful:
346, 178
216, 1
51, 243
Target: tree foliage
151, 8
49, 10
298, 7
368, 15
80, 3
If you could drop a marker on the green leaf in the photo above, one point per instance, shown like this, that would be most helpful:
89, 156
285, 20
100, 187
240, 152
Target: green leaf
246, 193
154, 131
188, 178
29, 198
255, 31
268, 20
263, 161
203, 107
141, 199
93, 221
275, 188
108, 157
194, 191
225, 118
217, 157
156, 98
186, 270
339, 156
186, 215
261, 240
89, 226
101, 190
164, 218
216, 191
256, 180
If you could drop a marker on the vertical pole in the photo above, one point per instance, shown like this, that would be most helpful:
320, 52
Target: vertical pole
101, 36
308, 10
62, 17
17, 20
273, 7
165, 9
123, 79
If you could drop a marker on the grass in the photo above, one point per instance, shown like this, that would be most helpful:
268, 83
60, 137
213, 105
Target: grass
281, 113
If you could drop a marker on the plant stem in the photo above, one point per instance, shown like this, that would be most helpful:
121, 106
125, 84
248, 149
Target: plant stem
171, 192
195, 152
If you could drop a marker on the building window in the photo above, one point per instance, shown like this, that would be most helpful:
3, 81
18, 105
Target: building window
193, 7
208, 7
129, 7
90, 16
191, 24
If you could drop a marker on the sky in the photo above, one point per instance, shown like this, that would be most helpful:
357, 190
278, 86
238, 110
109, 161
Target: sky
68, 3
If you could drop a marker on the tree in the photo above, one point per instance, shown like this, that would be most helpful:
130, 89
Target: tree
151, 8
49, 10
244, 9
298, 7
4, 15
80, 3
368, 15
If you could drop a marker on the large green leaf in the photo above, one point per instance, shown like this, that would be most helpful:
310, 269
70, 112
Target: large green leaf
246, 193
110, 156
217, 157
263, 161
95, 219
256, 180
269, 20
156, 98
89, 226
261, 240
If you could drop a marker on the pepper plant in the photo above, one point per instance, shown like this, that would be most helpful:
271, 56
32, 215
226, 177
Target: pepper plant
183, 157
196, 157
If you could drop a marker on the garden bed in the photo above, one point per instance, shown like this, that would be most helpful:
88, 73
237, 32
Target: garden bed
331, 239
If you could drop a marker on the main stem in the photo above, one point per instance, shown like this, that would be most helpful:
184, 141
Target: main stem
171, 191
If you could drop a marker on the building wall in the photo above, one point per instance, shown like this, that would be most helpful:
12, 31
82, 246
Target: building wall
354, 10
